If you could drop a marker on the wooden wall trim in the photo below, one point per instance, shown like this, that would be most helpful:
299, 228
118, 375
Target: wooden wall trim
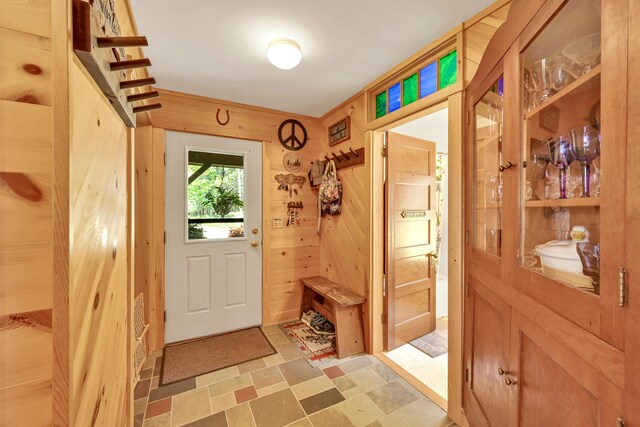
632, 241
262, 110
61, 46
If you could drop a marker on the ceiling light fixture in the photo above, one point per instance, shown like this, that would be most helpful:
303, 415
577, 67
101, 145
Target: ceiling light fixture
284, 53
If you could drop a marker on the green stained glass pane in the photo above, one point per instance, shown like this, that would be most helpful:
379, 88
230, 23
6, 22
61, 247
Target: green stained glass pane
410, 89
448, 69
381, 104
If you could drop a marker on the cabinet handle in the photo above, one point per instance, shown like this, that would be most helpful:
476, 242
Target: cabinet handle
508, 166
501, 371
509, 381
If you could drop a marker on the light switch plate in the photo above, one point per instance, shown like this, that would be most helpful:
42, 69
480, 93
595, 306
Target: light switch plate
277, 223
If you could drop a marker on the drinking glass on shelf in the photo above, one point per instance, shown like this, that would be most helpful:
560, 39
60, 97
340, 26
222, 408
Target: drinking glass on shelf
561, 157
531, 98
564, 72
585, 146
584, 51
536, 168
543, 71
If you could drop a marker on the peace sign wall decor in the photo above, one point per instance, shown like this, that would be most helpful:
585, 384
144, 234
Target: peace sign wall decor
292, 135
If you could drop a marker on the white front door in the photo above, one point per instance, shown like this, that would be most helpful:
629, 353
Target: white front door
213, 248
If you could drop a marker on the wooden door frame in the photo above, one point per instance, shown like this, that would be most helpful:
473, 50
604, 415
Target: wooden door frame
455, 224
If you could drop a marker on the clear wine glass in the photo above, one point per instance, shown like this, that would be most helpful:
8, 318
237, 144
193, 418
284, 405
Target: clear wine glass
543, 71
564, 72
536, 169
561, 157
585, 146
584, 51
531, 100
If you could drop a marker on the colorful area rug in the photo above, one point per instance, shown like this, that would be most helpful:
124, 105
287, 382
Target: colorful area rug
315, 347
208, 354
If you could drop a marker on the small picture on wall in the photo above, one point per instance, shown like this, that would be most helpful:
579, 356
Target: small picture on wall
292, 162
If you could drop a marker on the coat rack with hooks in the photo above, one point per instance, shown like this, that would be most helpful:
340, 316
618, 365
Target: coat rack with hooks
346, 159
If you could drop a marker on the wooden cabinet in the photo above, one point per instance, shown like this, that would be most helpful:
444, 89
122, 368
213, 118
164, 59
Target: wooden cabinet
547, 114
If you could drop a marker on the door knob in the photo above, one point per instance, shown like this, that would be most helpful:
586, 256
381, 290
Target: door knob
255, 243
254, 230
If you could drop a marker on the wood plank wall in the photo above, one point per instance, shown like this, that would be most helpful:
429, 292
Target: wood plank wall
26, 228
149, 190
344, 239
288, 253
100, 366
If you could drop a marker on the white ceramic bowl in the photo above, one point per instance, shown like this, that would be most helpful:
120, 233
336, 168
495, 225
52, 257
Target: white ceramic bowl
561, 261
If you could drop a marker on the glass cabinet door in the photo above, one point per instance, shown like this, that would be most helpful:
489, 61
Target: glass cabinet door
488, 178
561, 148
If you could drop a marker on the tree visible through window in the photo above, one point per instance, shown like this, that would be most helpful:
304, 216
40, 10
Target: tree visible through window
215, 195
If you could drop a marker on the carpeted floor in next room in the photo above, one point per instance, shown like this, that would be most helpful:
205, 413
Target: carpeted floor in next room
284, 390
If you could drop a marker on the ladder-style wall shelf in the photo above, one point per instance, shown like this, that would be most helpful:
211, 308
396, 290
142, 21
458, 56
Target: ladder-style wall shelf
100, 47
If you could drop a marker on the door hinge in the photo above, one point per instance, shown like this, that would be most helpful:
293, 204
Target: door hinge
165, 316
466, 289
165, 158
165, 237
383, 151
467, 119
466, 375
621, 422
466, 236
384, 285
622, 295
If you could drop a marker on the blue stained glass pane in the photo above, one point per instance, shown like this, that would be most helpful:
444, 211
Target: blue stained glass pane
501, 86
429, 79
394, 97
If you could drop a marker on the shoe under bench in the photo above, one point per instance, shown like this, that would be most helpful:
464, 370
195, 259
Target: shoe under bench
340, 306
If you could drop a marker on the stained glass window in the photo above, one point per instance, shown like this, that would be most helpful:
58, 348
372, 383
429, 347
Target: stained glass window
448, 69
429, 79
381, 104
410, 89
394, 97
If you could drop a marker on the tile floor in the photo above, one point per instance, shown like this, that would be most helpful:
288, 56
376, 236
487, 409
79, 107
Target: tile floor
284, 390
431, 371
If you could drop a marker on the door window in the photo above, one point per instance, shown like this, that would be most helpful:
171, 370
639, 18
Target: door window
215, 195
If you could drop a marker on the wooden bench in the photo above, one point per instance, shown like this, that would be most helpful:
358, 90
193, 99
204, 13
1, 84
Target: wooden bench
341, 307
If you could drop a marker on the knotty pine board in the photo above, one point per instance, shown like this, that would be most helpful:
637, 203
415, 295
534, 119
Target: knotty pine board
25, 68
100, 366
26, 248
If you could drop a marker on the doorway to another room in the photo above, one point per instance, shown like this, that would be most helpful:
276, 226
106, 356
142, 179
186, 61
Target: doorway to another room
213, 240
416, 250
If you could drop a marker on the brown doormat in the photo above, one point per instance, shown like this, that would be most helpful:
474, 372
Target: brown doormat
197, 357
433, 344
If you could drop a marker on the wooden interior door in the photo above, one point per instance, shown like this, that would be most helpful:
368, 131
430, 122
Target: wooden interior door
410, 299
486, 357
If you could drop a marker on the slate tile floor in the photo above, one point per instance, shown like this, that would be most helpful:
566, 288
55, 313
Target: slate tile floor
284, 390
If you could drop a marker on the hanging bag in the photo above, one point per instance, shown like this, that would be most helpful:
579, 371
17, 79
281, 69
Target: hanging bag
330, 193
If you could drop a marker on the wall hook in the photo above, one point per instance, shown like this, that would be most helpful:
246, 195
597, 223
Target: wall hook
344, 154
326, 158
218, 118
354, 153
336, 157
